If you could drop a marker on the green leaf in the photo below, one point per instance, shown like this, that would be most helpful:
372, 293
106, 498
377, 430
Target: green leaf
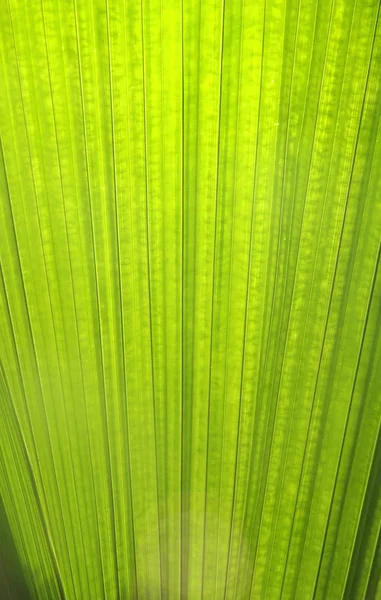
190, 299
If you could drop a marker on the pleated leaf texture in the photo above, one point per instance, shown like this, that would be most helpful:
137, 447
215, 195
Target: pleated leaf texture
190, 299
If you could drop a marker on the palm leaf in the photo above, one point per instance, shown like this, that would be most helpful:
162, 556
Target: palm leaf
190, 298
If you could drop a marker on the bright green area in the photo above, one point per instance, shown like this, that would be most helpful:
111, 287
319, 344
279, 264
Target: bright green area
190, 298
